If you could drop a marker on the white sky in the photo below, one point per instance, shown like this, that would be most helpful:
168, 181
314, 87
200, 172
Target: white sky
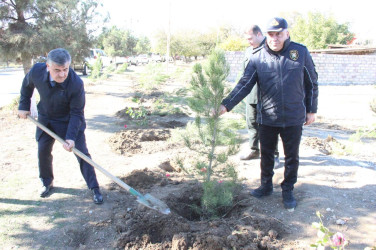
147, 16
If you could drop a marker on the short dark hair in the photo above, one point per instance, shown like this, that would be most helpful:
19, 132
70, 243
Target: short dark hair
256, 29
59, 56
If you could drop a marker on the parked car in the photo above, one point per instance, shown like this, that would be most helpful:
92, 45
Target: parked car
132, 60
164, 59
38, 59
156, 58
143, 59
140, 59
90, 60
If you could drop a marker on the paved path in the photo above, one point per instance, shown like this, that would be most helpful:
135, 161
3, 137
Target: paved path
10, 85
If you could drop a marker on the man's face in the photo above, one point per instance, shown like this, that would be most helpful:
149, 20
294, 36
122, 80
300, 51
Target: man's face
58, 72
276, 40
253, 39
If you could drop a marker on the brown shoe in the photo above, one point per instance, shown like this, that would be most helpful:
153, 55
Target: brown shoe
253, 154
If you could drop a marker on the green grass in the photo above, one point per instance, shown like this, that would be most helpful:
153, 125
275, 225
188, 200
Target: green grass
167, 107
367, 132
154, 75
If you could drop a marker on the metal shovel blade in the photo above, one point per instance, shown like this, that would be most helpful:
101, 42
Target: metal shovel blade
154, 203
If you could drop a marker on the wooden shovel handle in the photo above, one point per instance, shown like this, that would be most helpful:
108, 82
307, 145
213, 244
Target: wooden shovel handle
85, 158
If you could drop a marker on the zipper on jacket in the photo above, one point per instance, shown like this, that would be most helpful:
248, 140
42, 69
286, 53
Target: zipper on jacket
282, 94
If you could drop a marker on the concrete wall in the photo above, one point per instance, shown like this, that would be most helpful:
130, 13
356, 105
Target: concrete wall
332, 69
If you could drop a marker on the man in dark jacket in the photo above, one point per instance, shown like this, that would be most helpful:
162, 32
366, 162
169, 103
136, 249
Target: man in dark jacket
61, 109
288, 93
256, 39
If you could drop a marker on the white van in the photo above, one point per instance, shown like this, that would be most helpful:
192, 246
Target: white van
93, 55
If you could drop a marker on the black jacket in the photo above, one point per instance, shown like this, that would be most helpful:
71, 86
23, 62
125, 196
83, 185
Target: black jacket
287, 83
252, 97
63, 104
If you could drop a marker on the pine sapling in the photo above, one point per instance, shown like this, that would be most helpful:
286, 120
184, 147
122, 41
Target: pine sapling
208, 90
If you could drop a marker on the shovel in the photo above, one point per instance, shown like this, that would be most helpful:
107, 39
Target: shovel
146, 200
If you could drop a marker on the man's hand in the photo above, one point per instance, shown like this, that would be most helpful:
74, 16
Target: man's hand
222, 110
23, 114
310, 118
69, 145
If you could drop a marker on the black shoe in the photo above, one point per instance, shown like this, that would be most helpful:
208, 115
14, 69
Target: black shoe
288, 199
276, 160
253, 154
262, 191
97, 196
45, 190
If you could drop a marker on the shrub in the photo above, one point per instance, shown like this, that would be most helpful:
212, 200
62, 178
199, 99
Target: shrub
96, 68
122, 68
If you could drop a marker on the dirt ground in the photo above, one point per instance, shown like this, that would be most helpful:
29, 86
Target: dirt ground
336, 177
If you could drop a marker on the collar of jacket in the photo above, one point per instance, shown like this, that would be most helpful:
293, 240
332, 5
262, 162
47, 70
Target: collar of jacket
263, 42
46, 76
285, 46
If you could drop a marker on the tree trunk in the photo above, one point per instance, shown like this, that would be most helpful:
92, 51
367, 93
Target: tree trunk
26, 62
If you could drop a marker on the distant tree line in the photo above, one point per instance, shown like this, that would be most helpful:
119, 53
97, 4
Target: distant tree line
318, 30
29, 29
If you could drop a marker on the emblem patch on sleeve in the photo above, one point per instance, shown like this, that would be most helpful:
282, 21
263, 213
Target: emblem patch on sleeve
294, 54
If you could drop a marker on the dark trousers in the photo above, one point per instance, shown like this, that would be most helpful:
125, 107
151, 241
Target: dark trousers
291, 140
45, 144
253, 126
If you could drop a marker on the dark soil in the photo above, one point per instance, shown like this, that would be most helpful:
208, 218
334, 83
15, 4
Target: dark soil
142, 228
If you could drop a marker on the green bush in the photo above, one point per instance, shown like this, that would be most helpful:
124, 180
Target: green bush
234, 43
122, 68
139, 115
162, 107
96, 69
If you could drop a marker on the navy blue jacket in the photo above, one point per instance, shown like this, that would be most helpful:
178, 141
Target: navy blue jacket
287, 82
63, 104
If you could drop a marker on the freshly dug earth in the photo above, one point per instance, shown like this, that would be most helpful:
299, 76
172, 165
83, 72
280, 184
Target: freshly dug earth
142, 228
336, 177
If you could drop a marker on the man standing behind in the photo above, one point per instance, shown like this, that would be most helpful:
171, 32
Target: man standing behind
256, 40
288, 94
61, 109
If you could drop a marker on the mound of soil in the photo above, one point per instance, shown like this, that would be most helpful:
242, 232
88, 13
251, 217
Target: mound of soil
325, 146
136, 141
142, 228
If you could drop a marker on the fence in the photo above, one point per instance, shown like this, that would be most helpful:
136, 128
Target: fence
332, 69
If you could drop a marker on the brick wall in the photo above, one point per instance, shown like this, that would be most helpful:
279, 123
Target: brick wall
235, 60
332, 69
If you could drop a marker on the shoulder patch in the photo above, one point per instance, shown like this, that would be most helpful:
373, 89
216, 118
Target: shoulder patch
294, 54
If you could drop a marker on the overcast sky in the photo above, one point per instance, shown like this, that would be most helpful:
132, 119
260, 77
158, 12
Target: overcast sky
146, 16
